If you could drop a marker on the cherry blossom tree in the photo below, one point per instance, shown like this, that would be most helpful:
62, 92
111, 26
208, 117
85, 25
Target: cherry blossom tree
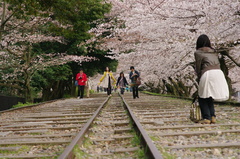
158, 37
18, 54
19, 60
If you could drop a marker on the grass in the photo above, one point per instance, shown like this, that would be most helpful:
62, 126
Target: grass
91, 91
79, 154
87, 142
163, 95
141, 154
22, 104
136, 142
196, 149
27, 148
171, 97
165, 153
235, 114
23, 148
154, 138
236, 119
35, 133
151, 93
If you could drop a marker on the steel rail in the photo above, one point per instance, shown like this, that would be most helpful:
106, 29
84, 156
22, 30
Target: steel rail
150, 148
68, 152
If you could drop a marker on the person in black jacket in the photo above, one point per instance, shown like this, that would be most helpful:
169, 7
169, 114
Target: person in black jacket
122, 82
133, 75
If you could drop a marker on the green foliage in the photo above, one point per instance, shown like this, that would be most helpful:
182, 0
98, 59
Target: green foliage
78, 17
47, 77
79, 153
91, 91
23, 8
98, 66
67, 96
52, 81
166, 154
22, 148
81, 15
80, 10
22, 104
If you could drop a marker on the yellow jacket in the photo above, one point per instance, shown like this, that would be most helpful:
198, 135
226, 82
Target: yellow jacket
111, 76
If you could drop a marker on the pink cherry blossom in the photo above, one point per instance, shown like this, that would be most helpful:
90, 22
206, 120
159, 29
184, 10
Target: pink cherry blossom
159, 36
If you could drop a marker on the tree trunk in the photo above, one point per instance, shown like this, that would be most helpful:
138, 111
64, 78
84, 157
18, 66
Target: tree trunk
28, 93
56, 90
224, 68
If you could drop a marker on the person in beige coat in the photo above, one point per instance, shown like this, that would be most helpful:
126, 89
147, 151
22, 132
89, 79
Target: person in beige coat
88, 87
107, 81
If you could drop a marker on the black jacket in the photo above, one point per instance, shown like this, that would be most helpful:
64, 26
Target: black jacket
134, 78
124, 80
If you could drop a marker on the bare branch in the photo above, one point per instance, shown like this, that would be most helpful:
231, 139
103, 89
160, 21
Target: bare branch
225, 52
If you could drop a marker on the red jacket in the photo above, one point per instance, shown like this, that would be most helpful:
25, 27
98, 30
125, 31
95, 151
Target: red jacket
81, 78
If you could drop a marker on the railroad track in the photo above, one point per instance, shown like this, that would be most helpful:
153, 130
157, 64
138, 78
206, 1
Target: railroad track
176, 136
74, 128
45, 130
117, 127
114, 133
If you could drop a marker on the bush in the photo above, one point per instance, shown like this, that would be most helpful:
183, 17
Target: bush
91, 91
22, 104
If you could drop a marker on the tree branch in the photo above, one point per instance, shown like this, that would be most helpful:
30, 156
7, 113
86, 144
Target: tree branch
225, 52
12, 86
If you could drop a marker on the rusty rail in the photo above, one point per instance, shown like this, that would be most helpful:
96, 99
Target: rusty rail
68, 152
150, 148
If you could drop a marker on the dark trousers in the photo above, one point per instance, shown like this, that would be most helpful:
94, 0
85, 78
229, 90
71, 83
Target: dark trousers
135, 91
207, 107
108, 90
80, 91
122, 90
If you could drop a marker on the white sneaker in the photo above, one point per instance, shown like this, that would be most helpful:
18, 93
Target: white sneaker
78, 97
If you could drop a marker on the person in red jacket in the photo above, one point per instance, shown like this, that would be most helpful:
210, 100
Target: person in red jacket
81, 78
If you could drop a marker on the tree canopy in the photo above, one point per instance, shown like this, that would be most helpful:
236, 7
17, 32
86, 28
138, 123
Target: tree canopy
39, 34
159, 37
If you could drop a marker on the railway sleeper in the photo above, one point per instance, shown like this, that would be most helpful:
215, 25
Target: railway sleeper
28, 156
219, 145
49, 127
34, 142
197, 133
190, 126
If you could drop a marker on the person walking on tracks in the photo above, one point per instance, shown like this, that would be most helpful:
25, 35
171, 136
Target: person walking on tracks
88, 87
211, 80
81, 78
106, 81
122, 82
134, 75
